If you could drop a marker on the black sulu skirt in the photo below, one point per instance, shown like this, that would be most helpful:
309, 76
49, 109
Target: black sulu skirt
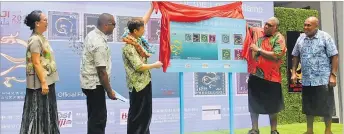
318, 100
264, 97
40, 114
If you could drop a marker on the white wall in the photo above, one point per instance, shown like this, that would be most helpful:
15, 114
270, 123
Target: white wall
340, 29
328, 25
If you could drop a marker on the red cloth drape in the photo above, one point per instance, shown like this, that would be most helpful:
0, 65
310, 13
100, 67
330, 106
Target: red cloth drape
252, 36
184, 13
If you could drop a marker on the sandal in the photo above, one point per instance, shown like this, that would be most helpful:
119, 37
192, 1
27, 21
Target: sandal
252, 131
274, 132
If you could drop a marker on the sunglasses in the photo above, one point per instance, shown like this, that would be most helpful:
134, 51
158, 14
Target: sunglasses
268, 24
114, 24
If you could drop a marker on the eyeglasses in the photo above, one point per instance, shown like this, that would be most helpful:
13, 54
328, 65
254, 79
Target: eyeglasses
268, 24
114, 24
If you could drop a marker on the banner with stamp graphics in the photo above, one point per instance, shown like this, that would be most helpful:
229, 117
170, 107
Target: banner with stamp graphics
207, 46
206, 94
66, 32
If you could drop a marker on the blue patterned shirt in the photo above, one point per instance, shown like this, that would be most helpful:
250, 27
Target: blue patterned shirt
315, 56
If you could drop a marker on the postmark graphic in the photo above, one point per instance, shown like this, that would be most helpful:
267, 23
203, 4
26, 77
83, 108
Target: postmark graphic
226, 54
75, 44
238, 39
63, 25
121, 25
242, 80
209, 84
196, 37
237, 54
90, 21
254, 23
204, 38
15, 63
188, 37
154, 30
212, 38
225, 39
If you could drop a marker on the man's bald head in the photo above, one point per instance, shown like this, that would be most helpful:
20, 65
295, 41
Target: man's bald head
106, 23
271, 25
313, 20
311, 26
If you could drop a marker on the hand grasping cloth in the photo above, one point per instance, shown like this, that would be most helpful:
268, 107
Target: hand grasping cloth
184, 13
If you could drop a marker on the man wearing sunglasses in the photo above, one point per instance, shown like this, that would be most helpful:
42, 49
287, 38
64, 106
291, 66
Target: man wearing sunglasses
95, 71
264, 84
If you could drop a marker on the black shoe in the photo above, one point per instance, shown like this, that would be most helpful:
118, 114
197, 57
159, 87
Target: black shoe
252, 131
274, 132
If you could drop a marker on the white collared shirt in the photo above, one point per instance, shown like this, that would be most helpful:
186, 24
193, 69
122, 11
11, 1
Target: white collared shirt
96, 52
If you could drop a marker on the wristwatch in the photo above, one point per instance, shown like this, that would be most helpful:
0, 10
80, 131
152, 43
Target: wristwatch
259, 49
334, 74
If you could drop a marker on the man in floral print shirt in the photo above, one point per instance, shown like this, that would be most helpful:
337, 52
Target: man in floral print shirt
264, 84
95, 71
318, 54
138, 76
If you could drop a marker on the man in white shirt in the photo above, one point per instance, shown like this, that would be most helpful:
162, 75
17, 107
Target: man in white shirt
95, 72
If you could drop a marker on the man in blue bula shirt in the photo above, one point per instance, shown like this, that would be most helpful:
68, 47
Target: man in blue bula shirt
319, 64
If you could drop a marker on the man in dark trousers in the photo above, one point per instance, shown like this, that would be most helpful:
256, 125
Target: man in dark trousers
135, 56
95, 72
319, 65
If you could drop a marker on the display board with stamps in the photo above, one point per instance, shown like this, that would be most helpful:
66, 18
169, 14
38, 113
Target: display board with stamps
212, 45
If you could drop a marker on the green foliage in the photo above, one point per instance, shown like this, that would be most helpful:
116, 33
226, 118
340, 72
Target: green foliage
291, 19
297, 128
